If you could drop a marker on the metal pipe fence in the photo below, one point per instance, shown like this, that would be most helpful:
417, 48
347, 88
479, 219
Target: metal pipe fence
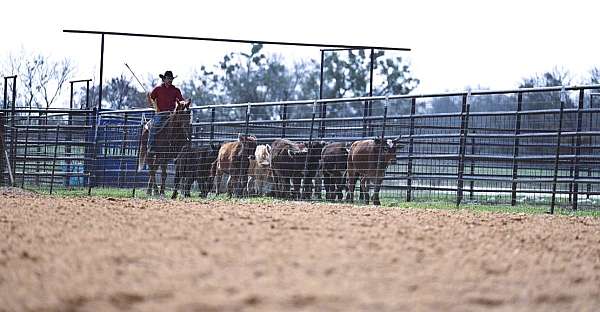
526, 146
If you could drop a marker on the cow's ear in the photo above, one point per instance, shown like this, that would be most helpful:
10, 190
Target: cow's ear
240, 137
377, 141
268, 148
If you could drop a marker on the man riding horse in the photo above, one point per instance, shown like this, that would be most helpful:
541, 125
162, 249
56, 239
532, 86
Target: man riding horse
164, 98
163, 138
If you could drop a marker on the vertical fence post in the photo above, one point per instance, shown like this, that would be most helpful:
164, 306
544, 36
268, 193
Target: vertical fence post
365, 114
94, 150
310, 138
122, 156
137, 154
212, 123
2, 148
381, 167
464, 126
248, 108
591, 128
409, 169
5, 106
370, 102
323, 105
54, 158
516, 143
68, 139
284, 117
13, 129
25, 152
577, 148
472, 169
563, 95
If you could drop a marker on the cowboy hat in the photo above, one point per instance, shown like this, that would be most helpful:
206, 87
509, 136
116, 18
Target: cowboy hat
168, 75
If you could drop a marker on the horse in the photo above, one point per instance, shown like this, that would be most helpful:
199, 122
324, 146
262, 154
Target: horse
170, 139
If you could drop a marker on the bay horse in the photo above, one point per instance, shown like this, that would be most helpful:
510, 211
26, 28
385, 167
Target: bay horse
170, 139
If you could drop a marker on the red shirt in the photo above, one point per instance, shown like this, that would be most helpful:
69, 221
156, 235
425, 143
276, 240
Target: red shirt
166, 96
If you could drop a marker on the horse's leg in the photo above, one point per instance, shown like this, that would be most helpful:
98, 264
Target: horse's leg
178, 177
163, 179
151, 177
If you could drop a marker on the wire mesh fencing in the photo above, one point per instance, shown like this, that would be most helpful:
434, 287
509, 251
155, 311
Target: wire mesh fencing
527, 146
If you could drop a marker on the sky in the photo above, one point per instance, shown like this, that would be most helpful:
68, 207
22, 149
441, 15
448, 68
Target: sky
455, 44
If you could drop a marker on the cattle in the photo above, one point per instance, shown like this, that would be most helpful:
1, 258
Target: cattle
287, 165
259, 171
194, 164
312, 182
333, 164
233, 160
368, 160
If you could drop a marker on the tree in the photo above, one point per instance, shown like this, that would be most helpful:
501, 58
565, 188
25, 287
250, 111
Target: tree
349, 77
121, 94
41, 78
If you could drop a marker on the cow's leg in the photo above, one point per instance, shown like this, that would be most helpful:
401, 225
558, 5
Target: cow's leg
377, 187
364, 189
351, 179
287, 187
328, 181
278, 186
309, 185
338, 186
175, 187
217, 182
317, 185
297, 193
188, 181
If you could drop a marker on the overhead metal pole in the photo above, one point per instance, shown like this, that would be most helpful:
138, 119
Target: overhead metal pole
289, 43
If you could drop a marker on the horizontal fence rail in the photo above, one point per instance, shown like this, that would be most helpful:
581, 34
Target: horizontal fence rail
526, 146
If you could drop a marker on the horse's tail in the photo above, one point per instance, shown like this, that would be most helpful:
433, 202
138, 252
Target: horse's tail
143, 152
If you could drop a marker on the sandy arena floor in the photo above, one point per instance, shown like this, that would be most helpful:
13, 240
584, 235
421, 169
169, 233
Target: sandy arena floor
95, 254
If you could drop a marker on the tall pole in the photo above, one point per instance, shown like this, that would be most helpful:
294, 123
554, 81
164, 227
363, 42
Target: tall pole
371, 90
101, 73
323, 107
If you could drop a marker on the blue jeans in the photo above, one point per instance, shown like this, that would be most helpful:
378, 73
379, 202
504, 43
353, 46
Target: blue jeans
158, 121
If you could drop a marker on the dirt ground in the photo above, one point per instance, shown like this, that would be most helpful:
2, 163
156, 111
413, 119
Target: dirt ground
104, 254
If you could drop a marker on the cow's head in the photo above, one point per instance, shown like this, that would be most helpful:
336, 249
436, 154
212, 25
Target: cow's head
248, 143
389, 148
297, 149
315, 147
214, 148
263, 154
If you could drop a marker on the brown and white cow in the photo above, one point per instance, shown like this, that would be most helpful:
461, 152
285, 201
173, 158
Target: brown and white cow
259, 171
367, 161
234, 160
287, 165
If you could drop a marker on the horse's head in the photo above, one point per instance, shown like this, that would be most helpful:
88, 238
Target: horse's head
182, 105
181, 118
